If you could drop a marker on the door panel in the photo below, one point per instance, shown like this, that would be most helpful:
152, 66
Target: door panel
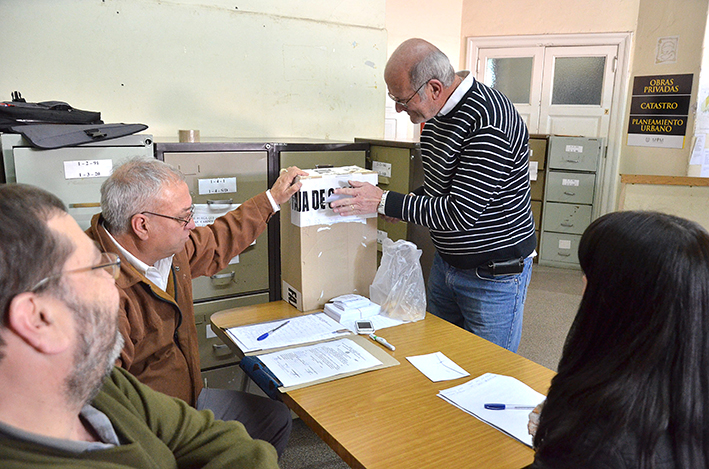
517, 72
570, 87
577, 90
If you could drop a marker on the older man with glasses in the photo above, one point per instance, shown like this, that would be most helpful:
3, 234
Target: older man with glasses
63, 403
476, 197
147, 219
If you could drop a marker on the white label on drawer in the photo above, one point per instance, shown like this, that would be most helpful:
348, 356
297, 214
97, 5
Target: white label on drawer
217, 185
564, 244
574, 149
210, 332
383, 169
87, 169
570, 182
533, 170
381, 236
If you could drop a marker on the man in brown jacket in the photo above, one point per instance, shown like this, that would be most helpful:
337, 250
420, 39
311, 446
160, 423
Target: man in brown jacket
147, 220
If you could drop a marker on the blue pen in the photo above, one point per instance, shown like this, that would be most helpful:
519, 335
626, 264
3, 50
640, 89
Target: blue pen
508, 407
266, 334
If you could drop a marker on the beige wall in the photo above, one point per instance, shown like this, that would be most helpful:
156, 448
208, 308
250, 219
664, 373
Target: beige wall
437, 23
686, 19
518, 17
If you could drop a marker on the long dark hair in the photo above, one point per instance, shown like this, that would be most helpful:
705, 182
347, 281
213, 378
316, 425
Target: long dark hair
636, 360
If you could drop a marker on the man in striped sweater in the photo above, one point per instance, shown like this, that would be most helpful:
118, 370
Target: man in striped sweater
476, 196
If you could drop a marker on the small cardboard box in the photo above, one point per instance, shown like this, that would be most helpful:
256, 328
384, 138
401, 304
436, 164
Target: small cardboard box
323, 254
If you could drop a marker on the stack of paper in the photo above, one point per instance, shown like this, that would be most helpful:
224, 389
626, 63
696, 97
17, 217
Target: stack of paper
499, 389
351, 307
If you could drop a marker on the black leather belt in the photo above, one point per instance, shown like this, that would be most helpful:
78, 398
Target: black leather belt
507, 267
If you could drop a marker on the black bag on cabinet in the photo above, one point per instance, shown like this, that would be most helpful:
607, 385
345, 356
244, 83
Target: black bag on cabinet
19, 112
55, 124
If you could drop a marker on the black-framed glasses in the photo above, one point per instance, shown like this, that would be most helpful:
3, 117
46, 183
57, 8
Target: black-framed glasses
185, 221
110, 262
405, 103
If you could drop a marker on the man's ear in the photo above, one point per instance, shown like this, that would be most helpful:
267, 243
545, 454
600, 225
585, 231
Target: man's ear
36, 319
436, 88
140, 224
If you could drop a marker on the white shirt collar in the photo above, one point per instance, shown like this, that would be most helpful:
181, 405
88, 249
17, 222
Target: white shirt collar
158, 274
459, 92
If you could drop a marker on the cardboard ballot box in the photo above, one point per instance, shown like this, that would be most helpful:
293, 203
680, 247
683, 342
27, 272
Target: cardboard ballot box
323, 254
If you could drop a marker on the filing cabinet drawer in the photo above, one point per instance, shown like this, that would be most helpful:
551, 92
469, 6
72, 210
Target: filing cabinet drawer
560, 247
537, 213
574, 153
538, 151
576, 188
537, 187
212, 351
566, 218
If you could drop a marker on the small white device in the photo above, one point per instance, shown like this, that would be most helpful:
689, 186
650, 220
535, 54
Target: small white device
364, 326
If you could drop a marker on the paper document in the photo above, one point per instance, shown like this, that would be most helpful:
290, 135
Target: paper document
437, 367
491, 388
299, 330
308, 363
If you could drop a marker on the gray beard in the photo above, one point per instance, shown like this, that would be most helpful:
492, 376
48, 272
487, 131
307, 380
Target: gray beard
99, 345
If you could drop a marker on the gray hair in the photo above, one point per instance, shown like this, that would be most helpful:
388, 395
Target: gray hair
133, 188
434, 65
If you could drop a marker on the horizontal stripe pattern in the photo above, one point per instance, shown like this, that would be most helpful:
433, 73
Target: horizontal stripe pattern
477, 200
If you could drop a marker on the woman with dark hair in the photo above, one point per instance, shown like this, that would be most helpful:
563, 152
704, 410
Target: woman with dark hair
632, 389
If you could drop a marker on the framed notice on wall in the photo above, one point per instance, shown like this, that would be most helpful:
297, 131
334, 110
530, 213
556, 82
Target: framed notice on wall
659, 110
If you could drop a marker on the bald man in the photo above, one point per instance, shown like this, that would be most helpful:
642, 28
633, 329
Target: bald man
476, 197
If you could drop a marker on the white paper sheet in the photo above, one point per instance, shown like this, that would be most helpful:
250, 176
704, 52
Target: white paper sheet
437, 367
299, 330
491, 388
318, 361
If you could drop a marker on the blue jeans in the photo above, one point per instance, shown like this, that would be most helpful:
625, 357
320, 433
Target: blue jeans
490, 307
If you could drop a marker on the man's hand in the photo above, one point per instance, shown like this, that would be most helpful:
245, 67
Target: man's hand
284, 187
364, 198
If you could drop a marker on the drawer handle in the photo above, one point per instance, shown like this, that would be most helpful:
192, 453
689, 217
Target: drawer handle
220, 202
571, 161
218, 347
221, 280
570, 193
567, 225
564, 254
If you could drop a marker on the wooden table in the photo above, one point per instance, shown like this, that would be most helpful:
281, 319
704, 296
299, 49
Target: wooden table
391, 418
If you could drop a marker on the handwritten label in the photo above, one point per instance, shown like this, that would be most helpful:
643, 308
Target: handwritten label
383, 169
81, 169
217, 186
574, 149
570, 182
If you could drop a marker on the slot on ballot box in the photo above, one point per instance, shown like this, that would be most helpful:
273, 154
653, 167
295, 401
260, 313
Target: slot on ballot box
323, 254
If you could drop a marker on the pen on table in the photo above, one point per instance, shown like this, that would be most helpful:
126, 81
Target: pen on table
266, 334
496, 406
382, 341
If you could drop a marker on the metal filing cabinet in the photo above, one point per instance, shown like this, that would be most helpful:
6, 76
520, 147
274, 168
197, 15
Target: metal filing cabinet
400, 170
538, 145
570, 195
221, 175
74, 174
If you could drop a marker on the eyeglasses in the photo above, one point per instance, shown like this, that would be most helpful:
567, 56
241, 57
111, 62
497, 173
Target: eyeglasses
110, 262
405, 103
184, 221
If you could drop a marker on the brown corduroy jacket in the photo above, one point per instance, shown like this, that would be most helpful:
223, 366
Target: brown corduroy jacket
161, 347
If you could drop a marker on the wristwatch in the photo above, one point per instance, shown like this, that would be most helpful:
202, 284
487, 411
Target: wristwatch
382, 203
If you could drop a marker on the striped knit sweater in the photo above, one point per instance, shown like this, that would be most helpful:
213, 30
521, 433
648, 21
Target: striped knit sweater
476, 198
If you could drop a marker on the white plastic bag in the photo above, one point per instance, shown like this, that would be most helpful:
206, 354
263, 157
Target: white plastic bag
398, 285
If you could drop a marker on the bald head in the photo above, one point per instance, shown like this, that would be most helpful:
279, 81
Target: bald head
416, 61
